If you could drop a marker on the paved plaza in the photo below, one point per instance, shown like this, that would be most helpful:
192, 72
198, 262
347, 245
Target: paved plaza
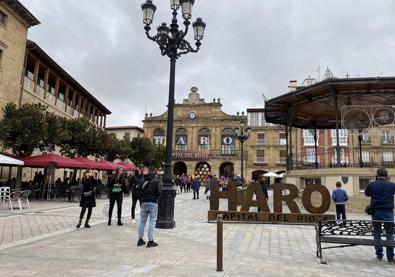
42, 241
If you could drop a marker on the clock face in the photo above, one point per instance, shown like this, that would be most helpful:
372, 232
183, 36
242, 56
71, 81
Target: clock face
192, 115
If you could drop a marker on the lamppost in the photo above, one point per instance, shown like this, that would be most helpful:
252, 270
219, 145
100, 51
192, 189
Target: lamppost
172, 43
242, 133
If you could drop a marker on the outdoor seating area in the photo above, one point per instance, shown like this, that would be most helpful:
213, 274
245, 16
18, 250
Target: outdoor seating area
7, 198
44, 186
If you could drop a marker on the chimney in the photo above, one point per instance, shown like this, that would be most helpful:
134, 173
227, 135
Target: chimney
293, 85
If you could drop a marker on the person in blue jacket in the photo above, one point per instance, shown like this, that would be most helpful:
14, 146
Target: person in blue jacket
195, 187
381, 192
340, 197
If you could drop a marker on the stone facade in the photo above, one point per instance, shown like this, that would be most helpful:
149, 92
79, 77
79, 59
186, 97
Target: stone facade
13, 35
45, 82
203, 142
126, 132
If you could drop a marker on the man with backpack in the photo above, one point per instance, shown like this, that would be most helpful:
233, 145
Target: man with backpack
150, 193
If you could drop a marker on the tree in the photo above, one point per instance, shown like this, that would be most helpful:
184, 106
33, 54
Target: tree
159, 155
142, 151
83, 138
57, 132
111, 148
23, 130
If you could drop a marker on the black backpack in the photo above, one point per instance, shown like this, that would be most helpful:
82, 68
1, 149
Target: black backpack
138, 188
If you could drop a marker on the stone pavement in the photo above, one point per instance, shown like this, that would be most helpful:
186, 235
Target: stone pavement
51, 246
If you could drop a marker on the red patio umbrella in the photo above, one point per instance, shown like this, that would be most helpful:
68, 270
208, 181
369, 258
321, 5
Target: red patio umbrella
46, 160
89, 163
106, 165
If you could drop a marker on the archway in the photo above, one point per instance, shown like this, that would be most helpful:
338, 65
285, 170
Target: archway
226, 169
179, 168
256, 173
202, 171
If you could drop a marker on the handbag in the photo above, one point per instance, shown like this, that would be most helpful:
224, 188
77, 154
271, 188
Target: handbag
369, 210
89, 193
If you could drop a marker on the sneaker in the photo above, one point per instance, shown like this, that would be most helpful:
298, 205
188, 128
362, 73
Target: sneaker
133, 221
152, 243
140, 242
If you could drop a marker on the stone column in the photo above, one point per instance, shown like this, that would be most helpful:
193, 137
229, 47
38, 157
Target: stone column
46, 77
57, 89
73, 103
35, 77
66, 98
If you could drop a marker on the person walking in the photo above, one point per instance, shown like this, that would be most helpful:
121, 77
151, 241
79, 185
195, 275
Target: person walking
264, 186
117, 187
189, 183
150, 194
195, 187
137, 183
381, 193
87, 197
340, 197
178, 184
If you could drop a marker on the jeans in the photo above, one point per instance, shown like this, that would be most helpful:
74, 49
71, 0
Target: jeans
384, 215
341, 210
151, 209
195, 194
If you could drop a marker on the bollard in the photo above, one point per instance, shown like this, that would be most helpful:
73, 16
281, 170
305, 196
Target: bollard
220, 251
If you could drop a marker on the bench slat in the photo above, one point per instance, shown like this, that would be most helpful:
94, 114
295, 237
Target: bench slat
356, 241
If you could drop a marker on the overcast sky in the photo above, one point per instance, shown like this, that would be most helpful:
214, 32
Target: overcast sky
250, 48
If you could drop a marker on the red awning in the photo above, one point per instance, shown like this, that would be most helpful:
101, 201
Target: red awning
106, 165
127, 167
45, 160
90, 164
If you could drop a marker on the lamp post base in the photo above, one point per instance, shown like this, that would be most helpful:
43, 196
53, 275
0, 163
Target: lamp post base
166, 208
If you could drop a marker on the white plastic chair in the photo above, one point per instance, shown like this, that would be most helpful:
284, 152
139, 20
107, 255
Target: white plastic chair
16, 197
4, 195
25, 197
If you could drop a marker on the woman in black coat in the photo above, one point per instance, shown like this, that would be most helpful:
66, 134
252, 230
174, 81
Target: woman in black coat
87, 197
117, 186
137, 183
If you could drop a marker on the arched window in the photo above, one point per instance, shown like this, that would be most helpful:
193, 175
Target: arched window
159, 136
228, 142
204, 139
181, 139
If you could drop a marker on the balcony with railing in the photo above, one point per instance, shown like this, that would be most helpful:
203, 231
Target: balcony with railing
282, 161
61, 105
282, 141
387, 140
366, 140
260, 161
343, 160
214, 154
260, 141
28, 85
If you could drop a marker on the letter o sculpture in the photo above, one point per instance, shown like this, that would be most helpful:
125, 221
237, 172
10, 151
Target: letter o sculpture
325, 195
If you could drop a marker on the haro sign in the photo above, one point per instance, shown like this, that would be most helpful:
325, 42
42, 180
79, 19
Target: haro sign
244, 215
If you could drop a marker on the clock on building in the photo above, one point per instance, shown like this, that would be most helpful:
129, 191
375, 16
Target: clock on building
192, 115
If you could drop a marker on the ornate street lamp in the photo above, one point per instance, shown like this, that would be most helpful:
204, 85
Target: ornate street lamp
172, 43
242, 133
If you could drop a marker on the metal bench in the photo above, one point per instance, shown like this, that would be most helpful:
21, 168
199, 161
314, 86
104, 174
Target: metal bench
346, 234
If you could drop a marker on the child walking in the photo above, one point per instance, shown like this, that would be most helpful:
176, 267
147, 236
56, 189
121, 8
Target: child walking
340, 197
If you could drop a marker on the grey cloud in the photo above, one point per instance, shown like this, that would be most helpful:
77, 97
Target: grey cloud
251, 47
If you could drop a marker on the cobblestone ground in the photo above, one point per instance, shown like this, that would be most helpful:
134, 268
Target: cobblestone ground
44, 242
